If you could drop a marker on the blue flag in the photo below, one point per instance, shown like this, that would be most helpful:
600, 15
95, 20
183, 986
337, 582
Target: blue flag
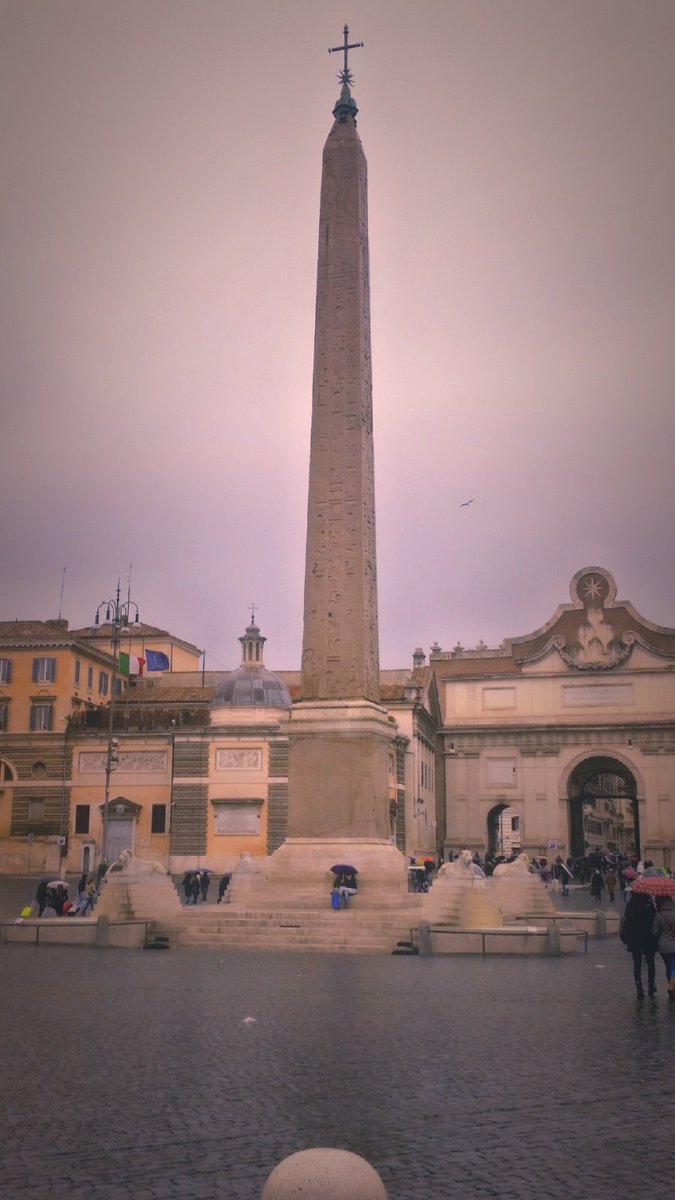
156, 660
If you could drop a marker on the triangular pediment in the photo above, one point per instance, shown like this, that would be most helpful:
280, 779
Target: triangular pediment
121, 806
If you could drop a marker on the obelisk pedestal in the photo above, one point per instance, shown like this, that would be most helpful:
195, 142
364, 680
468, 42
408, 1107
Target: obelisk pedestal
340, 810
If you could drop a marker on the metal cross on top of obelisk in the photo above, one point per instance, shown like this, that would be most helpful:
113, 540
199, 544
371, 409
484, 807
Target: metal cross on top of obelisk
345, 75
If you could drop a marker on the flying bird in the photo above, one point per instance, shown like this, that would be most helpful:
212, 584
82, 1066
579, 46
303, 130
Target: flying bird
466, 504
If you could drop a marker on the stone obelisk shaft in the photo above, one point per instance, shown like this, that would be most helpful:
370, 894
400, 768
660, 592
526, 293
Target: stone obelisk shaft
341, 776
340, 737
340, 642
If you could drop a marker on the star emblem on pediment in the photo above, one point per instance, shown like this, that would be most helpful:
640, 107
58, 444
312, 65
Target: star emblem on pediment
593, 588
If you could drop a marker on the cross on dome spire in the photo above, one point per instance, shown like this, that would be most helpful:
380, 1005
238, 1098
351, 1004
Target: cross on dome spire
345, 76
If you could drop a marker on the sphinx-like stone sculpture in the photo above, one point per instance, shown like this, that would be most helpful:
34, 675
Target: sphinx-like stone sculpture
519, 890
130, 864
514, 870
459, 896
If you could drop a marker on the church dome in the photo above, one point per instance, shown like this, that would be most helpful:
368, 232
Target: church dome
251, 685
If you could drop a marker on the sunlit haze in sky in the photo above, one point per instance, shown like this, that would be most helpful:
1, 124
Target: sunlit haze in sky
159, 217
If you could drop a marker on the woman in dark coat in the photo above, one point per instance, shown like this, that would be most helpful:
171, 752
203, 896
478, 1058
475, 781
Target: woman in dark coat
637, 934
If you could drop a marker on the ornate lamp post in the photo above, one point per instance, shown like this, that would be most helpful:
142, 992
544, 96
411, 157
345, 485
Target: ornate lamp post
117, 614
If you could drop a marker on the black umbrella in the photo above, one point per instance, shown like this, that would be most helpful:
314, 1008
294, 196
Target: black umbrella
344, 869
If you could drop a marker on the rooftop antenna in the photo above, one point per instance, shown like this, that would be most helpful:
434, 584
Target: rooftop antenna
63, 580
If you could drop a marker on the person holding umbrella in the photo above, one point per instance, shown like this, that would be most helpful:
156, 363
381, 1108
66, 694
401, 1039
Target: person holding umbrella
345, 881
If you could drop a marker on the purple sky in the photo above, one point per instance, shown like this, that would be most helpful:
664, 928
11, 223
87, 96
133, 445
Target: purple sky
159, 212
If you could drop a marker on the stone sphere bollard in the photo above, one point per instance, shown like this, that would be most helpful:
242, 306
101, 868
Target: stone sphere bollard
324, 1174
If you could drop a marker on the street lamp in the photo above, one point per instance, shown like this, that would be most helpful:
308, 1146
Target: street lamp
117, 615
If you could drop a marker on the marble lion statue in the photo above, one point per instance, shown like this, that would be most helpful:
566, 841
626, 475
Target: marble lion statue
520, 866
129, 863
463, 868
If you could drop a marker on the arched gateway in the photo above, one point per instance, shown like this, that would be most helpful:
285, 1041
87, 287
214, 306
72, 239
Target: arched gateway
603, 807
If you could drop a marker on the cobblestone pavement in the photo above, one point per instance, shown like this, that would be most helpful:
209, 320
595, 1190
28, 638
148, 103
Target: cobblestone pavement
136, 1074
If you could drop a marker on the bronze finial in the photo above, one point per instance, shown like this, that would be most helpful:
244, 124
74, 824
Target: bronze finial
345, 76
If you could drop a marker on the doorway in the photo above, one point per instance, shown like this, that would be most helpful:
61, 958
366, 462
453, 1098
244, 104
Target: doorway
120, 837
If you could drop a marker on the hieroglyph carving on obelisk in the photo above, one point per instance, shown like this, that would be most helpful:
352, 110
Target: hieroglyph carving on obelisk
340, 658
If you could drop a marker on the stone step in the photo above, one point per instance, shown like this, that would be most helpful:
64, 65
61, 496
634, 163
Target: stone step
295, 920
246, 929
291, 914
247, 932
309, 947
346, 931
304, 942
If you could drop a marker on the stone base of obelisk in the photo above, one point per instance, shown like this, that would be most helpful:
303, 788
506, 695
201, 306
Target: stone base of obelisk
298, 875
338, 812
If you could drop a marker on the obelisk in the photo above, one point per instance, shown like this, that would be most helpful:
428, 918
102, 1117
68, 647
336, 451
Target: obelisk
340, 736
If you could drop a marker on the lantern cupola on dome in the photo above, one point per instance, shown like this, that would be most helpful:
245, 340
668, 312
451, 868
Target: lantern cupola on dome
251, 685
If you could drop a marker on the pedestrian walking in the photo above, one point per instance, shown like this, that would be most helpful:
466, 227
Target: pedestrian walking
637, 934
563, 875
204, 885
195, 890
187, 880
664, 931
60, 897
89, 898
41, 897
597, 885
610, 884
223, 885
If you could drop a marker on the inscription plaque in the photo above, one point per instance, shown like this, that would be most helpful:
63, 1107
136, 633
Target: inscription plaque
596, 694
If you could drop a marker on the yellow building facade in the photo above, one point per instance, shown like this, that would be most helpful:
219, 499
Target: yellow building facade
50, 680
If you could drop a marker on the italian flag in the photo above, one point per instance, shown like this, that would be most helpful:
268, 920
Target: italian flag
128, 664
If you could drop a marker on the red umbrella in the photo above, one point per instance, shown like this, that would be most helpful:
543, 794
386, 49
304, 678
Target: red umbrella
654, 885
